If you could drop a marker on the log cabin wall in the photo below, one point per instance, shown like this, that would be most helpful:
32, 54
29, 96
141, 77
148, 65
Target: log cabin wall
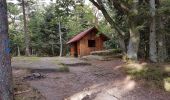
85, 49
87, 41
72, 50
78, 48
75, 49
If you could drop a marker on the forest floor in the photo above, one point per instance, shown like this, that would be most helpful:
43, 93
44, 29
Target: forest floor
79, 79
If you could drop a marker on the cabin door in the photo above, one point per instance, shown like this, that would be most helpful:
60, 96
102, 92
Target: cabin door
75, 50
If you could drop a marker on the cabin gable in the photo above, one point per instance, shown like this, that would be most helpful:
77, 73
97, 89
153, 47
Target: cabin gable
91, 41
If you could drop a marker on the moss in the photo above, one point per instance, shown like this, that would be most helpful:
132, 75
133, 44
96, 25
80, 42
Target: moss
153, 76
63, 69
22, 58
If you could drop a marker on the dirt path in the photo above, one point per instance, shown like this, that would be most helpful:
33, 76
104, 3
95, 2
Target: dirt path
103, 80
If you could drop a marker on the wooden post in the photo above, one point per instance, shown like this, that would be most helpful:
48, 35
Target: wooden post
26, 36
18, 49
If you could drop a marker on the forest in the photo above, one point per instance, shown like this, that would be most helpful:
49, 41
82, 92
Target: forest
45, 24
140, 29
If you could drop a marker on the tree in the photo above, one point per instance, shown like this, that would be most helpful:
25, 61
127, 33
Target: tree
26, 35
134, 39
120, 35
163, 14
15, 29
61, 42
152, 38
6, 90
130, 10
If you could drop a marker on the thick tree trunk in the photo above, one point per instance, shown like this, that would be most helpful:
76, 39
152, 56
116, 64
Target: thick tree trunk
152, 38
61, 42
26, 35
6, 90
122, 45
132, 52
162, 52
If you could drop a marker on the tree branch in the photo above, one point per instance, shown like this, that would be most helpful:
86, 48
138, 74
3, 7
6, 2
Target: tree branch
95, 4
100, 6
119, 6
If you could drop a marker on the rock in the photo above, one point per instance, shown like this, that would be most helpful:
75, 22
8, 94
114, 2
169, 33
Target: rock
37, 75
34, 76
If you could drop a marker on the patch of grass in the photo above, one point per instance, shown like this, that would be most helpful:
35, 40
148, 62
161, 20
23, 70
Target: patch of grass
167, 68
151, 75
107, 52
22, 58
64, 69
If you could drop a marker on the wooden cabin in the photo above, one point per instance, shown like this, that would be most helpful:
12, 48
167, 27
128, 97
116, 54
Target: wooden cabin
87, 41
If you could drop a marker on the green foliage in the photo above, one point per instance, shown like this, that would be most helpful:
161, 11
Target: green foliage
110, 44
164, 8
82, 19
44, 25
13, 9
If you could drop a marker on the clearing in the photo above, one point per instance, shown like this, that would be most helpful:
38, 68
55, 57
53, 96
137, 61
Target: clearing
78, 79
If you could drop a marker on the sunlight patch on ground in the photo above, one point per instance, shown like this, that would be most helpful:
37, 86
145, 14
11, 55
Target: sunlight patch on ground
167, 84
167, 68
117, 67
129, 84
104, 91
135, 67
86, 92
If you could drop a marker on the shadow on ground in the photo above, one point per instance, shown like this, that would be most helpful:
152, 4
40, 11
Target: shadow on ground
128, 82
103, 80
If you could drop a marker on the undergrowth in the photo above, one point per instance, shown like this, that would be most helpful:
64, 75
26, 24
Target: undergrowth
151, 75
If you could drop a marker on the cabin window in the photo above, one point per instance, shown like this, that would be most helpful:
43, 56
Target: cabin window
91, 43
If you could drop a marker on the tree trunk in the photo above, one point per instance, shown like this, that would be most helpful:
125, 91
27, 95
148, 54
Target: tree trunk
27, 38
162, 52
52, 49
61, 43
132, 52
152, 38
18, 49
122, 45
6, 90
113, 25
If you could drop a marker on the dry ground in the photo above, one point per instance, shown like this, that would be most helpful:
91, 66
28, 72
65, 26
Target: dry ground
22, 90
91, 80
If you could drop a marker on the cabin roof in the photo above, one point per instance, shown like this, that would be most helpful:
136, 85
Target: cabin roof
82, 34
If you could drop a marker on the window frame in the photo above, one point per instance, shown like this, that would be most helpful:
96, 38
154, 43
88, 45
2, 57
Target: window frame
91, 43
